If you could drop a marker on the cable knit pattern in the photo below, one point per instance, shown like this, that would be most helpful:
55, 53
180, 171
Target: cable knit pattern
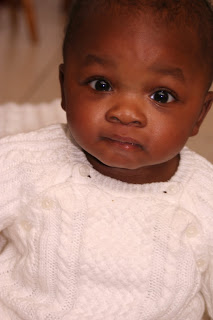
77, 245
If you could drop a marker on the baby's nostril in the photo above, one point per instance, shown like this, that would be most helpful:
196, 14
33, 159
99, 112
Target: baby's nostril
115, 119
136, 122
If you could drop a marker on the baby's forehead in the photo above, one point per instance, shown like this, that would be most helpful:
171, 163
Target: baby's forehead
195, 16
169, 9
136, 22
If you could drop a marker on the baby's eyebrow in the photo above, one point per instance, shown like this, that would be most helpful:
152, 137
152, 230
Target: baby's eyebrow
175, 72
168, 70
104, 61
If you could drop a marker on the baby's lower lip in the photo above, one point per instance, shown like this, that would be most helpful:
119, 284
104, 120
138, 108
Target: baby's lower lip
127, 145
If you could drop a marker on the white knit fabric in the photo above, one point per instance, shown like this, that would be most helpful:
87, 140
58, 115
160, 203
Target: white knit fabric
16, 118
76, 245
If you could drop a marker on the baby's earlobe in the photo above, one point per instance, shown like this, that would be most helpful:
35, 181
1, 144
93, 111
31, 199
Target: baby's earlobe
61, 79
205, 109
61, 74
208, 102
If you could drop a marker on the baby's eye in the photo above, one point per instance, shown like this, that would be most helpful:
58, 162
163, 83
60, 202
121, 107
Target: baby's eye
162, 96
100, 85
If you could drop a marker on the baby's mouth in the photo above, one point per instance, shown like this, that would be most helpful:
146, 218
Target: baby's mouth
125, 142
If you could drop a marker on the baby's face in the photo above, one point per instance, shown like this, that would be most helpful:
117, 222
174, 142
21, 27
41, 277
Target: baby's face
134, 93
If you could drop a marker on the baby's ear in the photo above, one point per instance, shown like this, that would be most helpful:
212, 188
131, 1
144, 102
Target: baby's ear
205, 109
61, 79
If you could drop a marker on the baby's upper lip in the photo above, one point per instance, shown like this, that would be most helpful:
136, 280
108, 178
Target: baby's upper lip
124, 139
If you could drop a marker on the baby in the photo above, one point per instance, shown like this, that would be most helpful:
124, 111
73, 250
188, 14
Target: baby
110, 217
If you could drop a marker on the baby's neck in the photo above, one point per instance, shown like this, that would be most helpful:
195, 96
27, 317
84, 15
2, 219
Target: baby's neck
155, 173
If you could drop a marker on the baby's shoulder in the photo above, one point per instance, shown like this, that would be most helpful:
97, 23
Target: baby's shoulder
200, 181
32, 147
202, 168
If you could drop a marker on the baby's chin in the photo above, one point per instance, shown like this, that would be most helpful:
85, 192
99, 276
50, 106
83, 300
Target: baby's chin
98, 162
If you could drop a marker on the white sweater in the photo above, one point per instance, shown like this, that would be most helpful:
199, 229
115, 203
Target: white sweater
77, 245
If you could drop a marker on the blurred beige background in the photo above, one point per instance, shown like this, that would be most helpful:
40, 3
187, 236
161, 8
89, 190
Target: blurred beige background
29, 70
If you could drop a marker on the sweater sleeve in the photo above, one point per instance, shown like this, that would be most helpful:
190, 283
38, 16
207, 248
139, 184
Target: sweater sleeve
201, 191
27, 162
10, 164
207, 286
205, 197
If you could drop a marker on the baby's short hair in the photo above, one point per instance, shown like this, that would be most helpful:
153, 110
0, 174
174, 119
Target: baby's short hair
197, 14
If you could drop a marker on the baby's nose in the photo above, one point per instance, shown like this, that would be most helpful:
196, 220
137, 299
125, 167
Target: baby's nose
127, 113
